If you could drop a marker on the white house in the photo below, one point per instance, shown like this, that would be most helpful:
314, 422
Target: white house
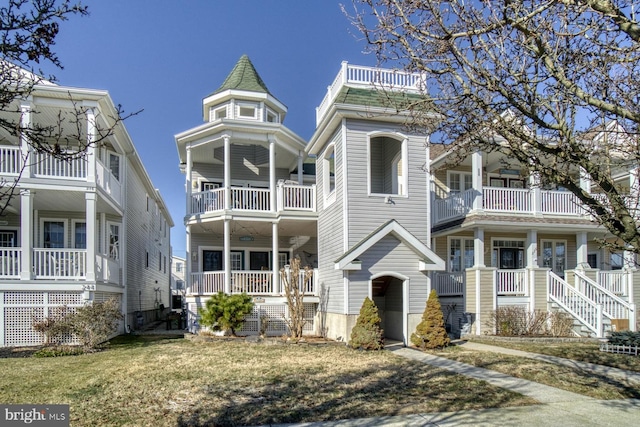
78, 230
178, 289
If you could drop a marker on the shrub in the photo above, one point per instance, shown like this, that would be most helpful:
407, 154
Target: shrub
367, 334
58, 351
224, 312
55, 328
627, 338
94, 323
430, 332
518, 321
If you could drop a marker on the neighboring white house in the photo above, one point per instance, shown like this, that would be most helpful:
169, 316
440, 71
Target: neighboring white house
178, 288
386, 219
81, 230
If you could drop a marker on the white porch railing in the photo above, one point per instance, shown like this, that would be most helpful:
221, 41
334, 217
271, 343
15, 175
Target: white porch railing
296, 197
10, 262
455, 206
60, 263
249, 282
107, 269
561, 202
45, 165
207, 283
449, 283
506, 199
10, 160
369, 77
612, 306
614, 281
576, 304
252, 282
290, 197
108, 182
512, 283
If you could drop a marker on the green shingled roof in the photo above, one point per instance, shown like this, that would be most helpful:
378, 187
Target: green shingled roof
376, 98
243, 77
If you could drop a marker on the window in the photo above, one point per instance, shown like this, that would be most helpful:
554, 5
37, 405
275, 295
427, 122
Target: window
616, 261
114, 165
460, 254
79, 235
160, 262
459, 181
178, 267
283, 259
206, 186
237, 260
592, 260
508, 254
259, 261
179, 284
554, 255
146, 263
164, 270
272, 117
212, 260
328, 174
387, 168
247, 111
114, 242
219, 113
8, 239
53, 234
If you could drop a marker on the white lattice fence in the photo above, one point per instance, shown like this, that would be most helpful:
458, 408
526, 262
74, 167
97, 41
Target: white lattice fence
19, 309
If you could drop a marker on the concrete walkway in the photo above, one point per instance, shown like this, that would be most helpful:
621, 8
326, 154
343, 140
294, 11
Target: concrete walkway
557, 408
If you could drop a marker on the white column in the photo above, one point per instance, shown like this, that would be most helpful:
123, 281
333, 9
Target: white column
91, 147
227, 256
188, 178
585, 181
532, 249
629, 260
25, 147
90, 202
26, 233
634, 183
275, 258
300, 168
536, 192
476, 179
581, 246
190, 258
272, 174
478, 247
227, 172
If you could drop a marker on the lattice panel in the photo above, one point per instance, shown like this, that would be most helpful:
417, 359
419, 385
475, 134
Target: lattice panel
16, 298
105, 296
275, 315
309, 316
17, 329
65, 298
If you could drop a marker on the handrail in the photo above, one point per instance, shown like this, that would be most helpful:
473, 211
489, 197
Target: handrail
575, 303
612, 305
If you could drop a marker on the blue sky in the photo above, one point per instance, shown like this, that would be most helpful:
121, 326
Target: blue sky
165, 56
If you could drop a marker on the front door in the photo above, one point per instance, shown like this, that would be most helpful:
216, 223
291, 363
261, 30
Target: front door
212, 261
511, 258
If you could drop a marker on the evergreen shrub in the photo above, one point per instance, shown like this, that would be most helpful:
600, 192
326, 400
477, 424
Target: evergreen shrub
367, 334
431, 332
226, 313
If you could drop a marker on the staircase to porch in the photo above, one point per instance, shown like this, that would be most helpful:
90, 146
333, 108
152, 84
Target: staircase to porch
595, 308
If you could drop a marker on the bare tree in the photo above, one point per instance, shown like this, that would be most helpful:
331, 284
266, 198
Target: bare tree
554, 84
28, 30
294, 282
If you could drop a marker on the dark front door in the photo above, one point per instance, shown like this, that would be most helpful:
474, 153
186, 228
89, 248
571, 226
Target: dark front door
511, 258
259, 261
212, 261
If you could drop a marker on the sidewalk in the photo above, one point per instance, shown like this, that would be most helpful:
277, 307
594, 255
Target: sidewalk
557, 407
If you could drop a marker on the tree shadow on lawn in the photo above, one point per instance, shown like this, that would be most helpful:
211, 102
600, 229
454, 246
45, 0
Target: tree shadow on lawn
383, 390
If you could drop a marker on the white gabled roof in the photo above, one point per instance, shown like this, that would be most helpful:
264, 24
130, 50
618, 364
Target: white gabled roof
428, 260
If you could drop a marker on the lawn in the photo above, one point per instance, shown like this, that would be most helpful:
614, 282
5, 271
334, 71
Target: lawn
144, 380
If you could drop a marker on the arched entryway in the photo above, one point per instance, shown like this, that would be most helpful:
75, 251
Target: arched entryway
388, 292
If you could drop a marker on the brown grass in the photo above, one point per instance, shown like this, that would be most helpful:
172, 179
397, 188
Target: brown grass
153, 381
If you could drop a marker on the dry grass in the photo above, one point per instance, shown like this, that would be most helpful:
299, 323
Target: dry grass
563, 377
153, 381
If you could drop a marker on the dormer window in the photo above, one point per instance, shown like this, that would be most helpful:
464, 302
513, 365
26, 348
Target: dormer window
218, 113
247, 111
272, 116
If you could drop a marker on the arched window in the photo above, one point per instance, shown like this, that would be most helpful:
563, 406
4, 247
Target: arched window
328, 173
387, 166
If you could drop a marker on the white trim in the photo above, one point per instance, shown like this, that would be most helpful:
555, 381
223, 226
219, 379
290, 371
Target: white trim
329, 196
244, 104
403, 140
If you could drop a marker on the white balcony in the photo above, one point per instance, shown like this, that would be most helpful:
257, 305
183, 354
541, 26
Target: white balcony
249, 282
449, 283
290, 197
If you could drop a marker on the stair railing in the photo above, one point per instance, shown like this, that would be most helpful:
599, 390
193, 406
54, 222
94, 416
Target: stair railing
575, 303
613, 306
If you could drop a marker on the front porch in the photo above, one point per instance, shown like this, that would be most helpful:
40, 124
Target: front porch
255, 283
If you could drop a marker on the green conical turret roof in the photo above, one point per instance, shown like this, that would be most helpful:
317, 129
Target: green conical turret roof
243, 77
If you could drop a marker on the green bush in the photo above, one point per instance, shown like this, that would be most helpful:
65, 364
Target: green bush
627, 338
431, 332
367, 334
224, 312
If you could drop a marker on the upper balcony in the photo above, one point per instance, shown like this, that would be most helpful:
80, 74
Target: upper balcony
43, 165
508, 201
289, 198
368, 78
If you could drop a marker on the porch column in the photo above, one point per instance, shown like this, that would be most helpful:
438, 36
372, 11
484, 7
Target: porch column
227, 172
300, 168
582, 251
188, 260
90, 201
536, 192
188, 184
272, 174
275, 261
629, 260
26, 233
91, 147
226, 253
478, 247
476, 179
532, 249
25, 147
585, 181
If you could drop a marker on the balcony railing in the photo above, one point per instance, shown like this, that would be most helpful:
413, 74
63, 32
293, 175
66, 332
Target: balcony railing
290, 197
507, 200
249, 282
10, 160
60, 263
614, 281
512, 283
449, 284
45, 165
10, 262
108, 182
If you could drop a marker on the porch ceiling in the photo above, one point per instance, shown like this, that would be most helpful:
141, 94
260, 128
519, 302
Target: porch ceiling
257, 228
60, 200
